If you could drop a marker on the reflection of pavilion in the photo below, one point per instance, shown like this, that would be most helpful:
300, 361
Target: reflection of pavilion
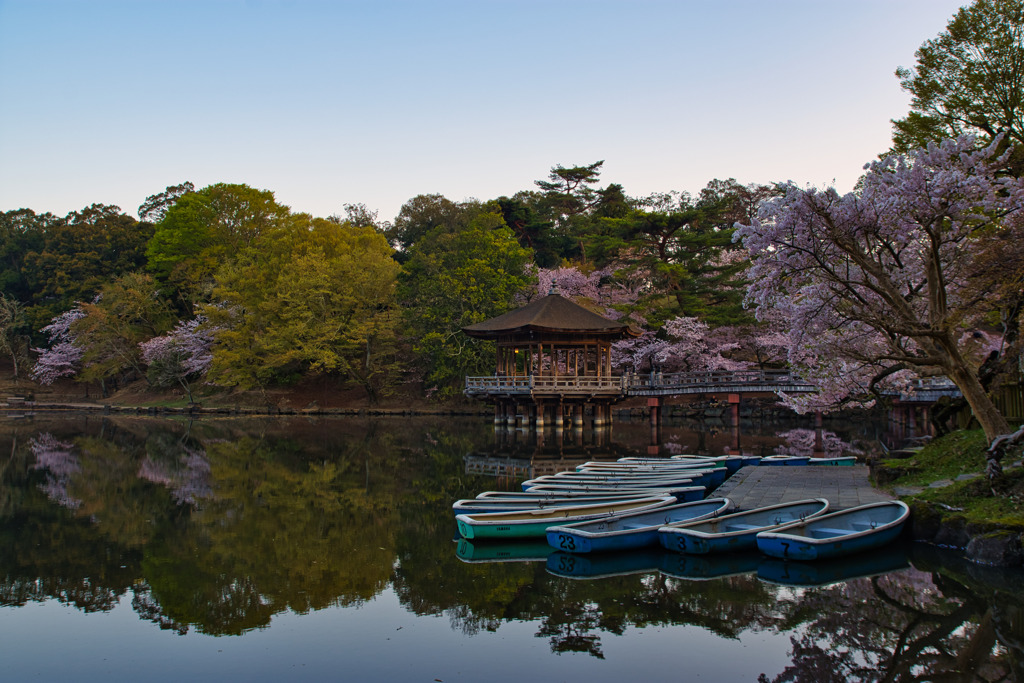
554, 359
522, 455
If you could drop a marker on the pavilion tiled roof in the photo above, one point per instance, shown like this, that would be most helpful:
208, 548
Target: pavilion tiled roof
552, 313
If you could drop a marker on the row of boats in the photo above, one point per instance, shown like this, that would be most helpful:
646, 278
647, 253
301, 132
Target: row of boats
635, 503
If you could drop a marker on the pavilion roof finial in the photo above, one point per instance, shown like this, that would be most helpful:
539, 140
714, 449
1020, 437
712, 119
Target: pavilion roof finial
554, 287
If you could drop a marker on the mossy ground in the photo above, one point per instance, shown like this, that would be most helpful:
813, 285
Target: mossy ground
978, 501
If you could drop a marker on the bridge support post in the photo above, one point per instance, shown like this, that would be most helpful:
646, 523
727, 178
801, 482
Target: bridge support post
819, 442
734, 409
577, 415
538, 415
654, 407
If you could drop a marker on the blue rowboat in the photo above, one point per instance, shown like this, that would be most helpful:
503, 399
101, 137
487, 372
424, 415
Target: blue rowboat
535, 495
737, 531
693, 477
785, 460
837, 534
667, 466
683, 493
747, 459
630, 530
703, 476
839, 461
535, 522
527, 502
731, 462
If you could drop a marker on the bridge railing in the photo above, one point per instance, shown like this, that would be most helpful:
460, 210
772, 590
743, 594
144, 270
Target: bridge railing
665, 384
710, 379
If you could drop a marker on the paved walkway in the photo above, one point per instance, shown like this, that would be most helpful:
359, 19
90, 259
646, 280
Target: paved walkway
844, 487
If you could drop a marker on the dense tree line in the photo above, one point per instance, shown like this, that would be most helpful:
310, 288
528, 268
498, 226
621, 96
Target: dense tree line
917, 272
225, 285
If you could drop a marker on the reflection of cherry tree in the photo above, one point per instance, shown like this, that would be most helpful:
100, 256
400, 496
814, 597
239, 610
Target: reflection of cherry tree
897, 627
60, 463
804, 442
187, 477
570, 628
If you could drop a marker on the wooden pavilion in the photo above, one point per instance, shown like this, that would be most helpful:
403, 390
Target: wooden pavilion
554, 357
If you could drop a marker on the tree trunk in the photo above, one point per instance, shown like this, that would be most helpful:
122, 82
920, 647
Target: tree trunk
985, 411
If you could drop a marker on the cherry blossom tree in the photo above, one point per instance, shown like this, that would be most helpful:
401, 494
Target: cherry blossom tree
876, 282
685, 344
182, 354
63, 358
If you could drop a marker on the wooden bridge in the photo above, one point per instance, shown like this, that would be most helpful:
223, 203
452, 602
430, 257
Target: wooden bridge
534, 392
926, 390
645, 385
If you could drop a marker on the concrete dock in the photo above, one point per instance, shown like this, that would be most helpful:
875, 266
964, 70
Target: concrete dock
844, 487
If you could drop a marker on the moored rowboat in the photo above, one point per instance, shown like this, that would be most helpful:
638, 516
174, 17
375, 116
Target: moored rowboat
737, 531
704, 476
777, 460
630, 530
838, 461
527, 523
527, 502
683, 492
837, 534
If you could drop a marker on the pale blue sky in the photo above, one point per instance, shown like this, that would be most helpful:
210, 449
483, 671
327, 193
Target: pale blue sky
333, 103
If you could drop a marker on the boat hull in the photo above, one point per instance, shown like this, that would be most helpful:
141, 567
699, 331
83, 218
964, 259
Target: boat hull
632, 530
534, 523
839, 534
474, 506
684, 493
737, 532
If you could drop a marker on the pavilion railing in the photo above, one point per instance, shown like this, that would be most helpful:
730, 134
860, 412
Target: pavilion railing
561, 384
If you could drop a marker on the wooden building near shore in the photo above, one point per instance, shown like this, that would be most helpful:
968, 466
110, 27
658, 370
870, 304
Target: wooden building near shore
553, 361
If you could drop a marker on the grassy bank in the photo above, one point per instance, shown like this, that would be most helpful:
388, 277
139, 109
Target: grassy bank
934, 475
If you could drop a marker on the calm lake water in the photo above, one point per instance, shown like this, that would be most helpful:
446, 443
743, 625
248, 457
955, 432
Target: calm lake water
325, 549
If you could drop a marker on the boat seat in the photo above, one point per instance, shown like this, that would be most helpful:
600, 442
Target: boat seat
742, 527
634, 525
863, 526
825, 532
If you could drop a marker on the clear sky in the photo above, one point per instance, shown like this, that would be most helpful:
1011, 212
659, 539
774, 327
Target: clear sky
328, 103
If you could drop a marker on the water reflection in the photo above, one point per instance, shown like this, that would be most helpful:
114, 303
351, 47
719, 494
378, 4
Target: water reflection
216, 527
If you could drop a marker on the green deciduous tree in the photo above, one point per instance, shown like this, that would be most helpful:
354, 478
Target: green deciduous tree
127, 312
457, 277
203, 230
312, 297
21, 233
79, 255
968, 80
419, 216
156, 205
13, 340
